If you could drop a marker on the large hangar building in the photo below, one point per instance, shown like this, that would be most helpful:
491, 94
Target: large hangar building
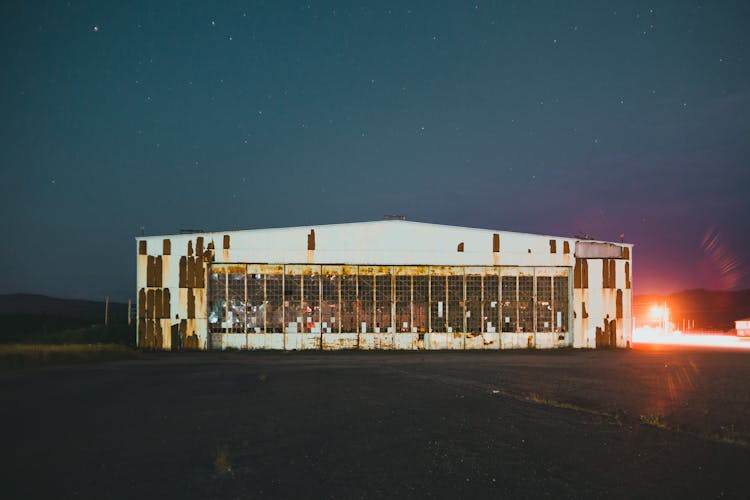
390, 284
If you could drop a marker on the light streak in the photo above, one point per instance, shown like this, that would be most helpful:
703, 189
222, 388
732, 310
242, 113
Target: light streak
649, 335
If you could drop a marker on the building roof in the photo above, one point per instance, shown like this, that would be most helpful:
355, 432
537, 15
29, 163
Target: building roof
386, 242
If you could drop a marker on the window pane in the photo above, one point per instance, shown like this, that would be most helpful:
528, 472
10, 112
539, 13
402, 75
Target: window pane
491, 304
383, 303
217, 302
403, 304
274, 303
543, 304
349, 304
510, 303
236, 298
366, 303
438, 303
560, 301
474, 304
311, 303
255, 303
330, 317
292, 303
421, 304
525, 303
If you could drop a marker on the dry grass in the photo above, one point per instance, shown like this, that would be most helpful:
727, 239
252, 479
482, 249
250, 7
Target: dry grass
32, 355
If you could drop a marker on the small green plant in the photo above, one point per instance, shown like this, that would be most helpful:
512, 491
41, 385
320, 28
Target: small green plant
654, 420
222, 461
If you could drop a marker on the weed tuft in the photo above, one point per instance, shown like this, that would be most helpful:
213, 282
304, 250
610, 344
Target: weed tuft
654, 420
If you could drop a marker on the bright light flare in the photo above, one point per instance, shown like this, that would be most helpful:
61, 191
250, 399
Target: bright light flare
656, 312
650, 335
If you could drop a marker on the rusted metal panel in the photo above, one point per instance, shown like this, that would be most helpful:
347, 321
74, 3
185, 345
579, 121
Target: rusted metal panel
627, 275
311, 240
460, 247
446, 270
598, 250
411, 270
265, 269
190, 248
311, 341
495, 243
167, 303
142, 247
183, 272
190, 303
166, 246
225, 242
199, 273
566, 247
198, 245
618, 308
335, 341
302, 269
158, 271
552, 246
142, 303
158, 303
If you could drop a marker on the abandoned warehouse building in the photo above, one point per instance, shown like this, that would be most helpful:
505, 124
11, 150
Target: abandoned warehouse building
390, 284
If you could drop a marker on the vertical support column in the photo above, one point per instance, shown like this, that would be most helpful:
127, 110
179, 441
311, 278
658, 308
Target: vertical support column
283, 307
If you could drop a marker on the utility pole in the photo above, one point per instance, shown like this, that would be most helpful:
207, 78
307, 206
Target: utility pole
129, 306
106, 311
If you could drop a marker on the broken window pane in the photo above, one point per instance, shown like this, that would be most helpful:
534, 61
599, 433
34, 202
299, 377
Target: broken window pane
330, 318
255, 302
236, 299
509, 297
217, 301
311, 303
349, 303
274, 303
293, 316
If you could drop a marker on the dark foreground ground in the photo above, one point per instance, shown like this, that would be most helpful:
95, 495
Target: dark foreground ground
640, 423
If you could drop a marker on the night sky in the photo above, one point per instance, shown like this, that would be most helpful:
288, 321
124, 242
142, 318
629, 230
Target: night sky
600, 118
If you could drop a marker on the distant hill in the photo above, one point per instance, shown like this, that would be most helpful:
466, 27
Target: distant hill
77, 311
709, 309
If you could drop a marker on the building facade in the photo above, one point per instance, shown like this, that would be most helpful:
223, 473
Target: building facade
388, 284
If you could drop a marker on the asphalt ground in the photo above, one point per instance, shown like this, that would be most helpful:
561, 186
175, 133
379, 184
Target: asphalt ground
656, 422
